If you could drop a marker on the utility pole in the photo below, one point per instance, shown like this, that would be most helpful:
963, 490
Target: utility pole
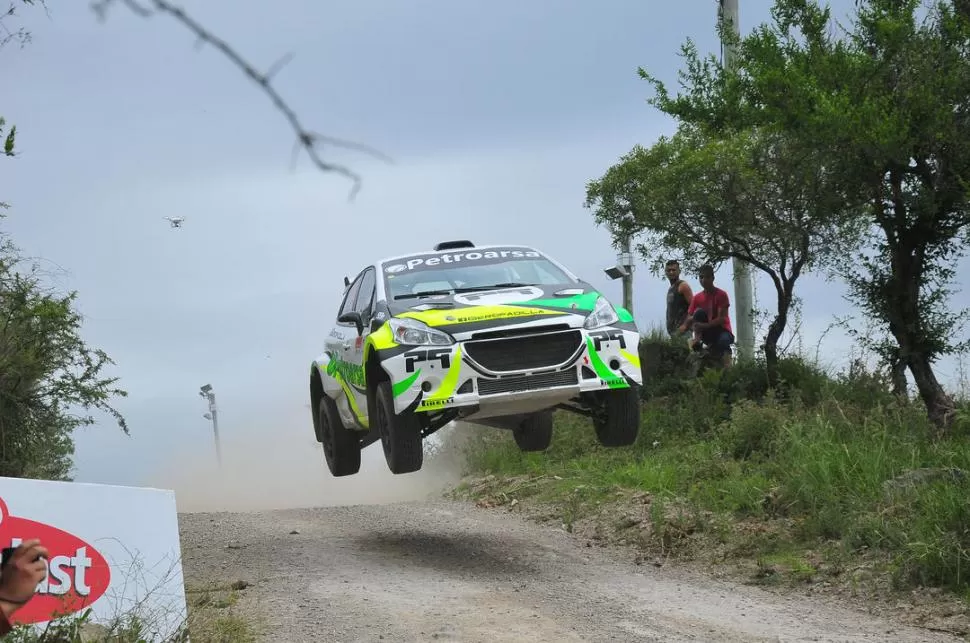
743, 297
206, 393
626, 260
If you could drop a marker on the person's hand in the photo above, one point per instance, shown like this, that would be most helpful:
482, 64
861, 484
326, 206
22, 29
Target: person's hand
21, 575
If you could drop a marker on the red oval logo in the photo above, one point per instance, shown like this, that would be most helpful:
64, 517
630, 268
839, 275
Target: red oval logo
77, 573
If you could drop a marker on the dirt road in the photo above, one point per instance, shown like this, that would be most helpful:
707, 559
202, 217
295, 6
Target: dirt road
446, 571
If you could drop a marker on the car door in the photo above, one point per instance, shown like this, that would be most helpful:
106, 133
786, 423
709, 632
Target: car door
353, 352
341, 335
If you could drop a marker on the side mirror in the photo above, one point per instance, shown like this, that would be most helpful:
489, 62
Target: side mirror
346, 282
353, 317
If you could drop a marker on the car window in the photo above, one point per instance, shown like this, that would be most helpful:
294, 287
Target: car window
350, 298
365, 295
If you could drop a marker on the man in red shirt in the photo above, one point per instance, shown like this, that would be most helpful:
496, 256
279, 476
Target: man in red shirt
708, 316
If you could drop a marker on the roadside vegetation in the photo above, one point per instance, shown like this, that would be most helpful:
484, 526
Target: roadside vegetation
826, 479
213, 617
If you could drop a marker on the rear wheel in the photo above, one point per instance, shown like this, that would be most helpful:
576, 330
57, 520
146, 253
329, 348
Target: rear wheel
400, 434
535, 432
341, 446
619, 422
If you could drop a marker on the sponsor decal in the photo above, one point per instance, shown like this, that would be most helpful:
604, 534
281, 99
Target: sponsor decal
431, 404
77, 573
499, 296
473, 316
610, 335
350, 372
440, 355
431, 261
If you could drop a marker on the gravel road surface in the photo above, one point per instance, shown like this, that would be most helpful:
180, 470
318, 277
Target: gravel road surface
443, 571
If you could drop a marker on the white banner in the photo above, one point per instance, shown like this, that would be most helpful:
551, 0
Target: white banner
112, 549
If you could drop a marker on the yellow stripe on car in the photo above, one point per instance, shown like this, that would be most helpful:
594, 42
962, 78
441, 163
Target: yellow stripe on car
440, 317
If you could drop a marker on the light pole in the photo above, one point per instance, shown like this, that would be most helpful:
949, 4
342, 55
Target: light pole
205, 392
624, 265
743, 296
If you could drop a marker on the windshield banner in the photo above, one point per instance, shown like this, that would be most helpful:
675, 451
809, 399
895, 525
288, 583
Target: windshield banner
471, 255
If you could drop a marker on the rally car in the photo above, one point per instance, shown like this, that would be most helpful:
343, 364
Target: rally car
500, 336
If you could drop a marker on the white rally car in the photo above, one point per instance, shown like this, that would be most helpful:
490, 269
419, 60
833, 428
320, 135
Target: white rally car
496, 335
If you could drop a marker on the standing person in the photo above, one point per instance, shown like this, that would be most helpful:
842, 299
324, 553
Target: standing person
679, 297
708, 317
19, 579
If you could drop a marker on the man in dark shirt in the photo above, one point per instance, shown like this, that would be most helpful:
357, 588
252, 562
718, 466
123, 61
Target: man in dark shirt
679, 297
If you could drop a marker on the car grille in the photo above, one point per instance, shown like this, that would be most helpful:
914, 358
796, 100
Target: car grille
524, 352
519, 383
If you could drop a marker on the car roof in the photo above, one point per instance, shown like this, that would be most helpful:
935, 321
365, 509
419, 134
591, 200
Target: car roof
457, 250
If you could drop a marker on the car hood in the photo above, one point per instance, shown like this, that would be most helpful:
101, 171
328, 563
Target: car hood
491, 309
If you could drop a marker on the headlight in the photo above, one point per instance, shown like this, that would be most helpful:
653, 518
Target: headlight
411, 332
603, 314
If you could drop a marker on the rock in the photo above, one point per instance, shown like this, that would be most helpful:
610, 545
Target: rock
958, 624
626, 522
913, 477
93, 632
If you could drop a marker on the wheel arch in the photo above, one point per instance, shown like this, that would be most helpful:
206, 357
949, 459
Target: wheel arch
374, 374
316, 394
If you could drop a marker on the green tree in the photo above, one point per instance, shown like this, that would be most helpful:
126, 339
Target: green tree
887, 105
750, 195
47, 374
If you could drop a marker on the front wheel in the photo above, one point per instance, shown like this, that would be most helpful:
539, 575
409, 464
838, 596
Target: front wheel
400, 434
535, 432
341, 446
618, 423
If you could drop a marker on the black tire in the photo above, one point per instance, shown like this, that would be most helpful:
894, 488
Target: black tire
620, 423
535, 432
341, 446
400, 434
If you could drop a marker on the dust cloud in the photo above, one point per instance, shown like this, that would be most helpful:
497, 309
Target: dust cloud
284, 468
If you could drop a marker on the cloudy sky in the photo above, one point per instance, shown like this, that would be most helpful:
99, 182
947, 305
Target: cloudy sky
495, 115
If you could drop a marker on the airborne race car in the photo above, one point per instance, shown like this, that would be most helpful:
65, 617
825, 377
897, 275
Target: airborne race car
497, 335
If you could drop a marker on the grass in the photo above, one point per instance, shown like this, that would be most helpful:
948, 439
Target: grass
211, 619
826, 479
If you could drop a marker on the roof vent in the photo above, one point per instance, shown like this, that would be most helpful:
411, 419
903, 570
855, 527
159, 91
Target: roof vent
451, 245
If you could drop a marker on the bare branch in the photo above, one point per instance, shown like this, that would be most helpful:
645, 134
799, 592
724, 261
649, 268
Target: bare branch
309, 140
278, 65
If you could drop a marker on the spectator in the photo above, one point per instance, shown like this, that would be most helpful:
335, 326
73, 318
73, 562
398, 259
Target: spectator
19, 579
679, 297
709, 319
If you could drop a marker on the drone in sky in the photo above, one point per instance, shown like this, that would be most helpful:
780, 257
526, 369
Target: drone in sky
175, 221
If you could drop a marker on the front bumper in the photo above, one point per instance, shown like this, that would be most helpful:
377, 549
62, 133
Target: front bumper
553, 365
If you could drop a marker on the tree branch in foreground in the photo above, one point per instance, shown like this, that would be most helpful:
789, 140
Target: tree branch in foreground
307, 139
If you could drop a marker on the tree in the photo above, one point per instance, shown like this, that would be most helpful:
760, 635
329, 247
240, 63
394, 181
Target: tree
46, 371
887, 106
750, 195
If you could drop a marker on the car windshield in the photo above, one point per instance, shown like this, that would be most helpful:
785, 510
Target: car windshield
463, 270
